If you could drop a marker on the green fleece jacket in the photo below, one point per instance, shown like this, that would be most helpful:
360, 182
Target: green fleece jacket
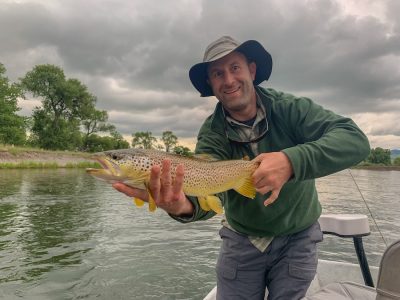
317, 142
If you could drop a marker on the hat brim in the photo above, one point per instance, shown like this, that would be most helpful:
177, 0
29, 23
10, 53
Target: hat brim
254, 52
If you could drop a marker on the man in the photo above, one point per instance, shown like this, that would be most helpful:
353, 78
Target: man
269, 241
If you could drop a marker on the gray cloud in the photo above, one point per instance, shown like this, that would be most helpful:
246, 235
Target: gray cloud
135, 55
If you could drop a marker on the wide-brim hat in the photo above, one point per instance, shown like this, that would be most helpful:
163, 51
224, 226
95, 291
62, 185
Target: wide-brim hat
252, 49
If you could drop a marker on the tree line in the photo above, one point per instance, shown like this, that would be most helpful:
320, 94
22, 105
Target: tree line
380, 156
67, 118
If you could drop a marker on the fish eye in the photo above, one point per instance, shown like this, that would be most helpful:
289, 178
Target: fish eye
114, 156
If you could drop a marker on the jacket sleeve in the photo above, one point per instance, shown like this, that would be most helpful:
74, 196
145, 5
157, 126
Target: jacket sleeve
326, 142
212, 143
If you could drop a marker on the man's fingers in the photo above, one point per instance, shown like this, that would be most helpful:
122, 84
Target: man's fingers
178, 183
166, 180
155, 182
264, 189
274, 195
130, 192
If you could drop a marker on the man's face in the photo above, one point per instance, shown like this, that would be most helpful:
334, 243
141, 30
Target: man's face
231, 79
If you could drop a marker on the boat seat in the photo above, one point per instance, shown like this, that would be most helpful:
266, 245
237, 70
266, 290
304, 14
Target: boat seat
388, 285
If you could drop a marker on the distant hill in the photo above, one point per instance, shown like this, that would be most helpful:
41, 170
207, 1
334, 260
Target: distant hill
394, 153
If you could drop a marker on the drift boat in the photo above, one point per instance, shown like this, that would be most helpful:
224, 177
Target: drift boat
342, 281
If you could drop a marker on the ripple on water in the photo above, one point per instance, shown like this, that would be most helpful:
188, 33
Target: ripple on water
64, 235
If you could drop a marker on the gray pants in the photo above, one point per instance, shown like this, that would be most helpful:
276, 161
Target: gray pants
286, 267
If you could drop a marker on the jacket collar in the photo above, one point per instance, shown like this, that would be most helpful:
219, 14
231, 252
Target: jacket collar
218, 118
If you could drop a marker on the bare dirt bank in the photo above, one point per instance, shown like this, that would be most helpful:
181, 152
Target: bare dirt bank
58, 157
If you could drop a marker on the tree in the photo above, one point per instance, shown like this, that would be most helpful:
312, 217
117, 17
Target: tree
170, 140
396, 161
120, 142
379, 156
65, 136
95, 121
144, 140
96, 143
12, 126
182, 150
65, 103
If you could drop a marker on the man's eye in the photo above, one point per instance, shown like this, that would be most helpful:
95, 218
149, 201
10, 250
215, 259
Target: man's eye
217, 74
236, 68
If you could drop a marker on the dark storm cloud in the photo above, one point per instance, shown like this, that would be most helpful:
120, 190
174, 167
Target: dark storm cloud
135, 55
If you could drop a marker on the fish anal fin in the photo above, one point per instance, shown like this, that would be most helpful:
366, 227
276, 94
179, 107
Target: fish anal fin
246, 188
203, 203
215, 204
138, 202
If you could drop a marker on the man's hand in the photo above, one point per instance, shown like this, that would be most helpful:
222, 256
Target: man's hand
167, 193
274, 171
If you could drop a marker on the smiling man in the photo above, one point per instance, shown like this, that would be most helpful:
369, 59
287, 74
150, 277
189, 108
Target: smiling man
270, 241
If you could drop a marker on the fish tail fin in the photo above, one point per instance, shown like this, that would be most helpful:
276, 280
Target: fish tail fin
246, 188
138, 202
203, 204
215, 204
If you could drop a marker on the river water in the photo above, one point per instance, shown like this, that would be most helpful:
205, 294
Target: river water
65, 235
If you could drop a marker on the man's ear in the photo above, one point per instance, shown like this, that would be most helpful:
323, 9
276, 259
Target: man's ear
253, 70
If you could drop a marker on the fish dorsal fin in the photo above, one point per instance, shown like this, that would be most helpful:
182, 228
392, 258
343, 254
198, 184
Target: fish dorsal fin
246, 188
205, 156
246, 157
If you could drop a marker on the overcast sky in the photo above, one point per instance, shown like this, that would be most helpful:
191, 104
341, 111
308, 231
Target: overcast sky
135, 55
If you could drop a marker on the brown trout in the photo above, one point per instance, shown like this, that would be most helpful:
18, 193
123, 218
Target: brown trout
203, 177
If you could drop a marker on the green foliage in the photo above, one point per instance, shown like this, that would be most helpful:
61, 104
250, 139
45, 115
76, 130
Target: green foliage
96, 143
144, 140
67, 118
182, 150
12, 126
95, 121
379, 156
65, 103
396, 161
170, 140
54, 135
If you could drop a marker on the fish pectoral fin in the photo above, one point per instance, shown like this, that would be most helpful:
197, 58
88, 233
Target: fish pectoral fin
203, 203
138, 202
152, 203
246, 188
215, 204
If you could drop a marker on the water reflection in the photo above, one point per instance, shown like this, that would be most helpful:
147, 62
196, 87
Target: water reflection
65, 235
42, 222
10, 182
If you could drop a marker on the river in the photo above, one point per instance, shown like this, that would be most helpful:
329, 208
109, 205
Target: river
65, 235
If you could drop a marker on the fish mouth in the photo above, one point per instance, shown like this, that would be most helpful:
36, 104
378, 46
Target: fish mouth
109, 168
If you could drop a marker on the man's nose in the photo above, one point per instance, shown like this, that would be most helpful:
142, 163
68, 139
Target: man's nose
228, 79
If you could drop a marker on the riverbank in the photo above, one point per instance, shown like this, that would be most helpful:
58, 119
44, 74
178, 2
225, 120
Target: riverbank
13, 157
16, 157
378, 168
